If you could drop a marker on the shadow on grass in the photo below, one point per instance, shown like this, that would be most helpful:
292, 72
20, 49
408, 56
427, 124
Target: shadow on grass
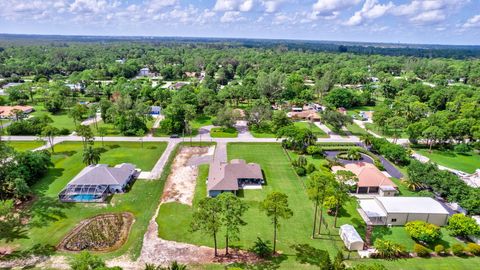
51, 175
380, 232
46, 210
271, 264
65, 153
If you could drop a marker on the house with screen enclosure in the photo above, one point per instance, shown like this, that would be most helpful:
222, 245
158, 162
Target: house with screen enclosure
96, 182
230, 177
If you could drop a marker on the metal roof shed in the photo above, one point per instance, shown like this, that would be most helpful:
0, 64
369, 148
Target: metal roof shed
351, 238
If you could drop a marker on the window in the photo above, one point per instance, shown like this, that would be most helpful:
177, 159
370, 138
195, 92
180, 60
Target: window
394, 220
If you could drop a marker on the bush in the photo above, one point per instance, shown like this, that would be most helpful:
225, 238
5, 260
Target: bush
473, 248
315, 150
311, 168
423, 231
462, 148
261, 248
379, 165
64, 132
440, 250
421, 250
458, 250
300, 171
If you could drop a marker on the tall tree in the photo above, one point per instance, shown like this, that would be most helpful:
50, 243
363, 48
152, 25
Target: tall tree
207, 218
233, 210
276, 206
345, 179
87, 135
50, 133
317, 186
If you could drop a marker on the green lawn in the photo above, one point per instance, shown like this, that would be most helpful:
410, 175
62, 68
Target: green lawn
25, 145
339, 132
110, 128
373, 127
356, 130
464, 162
52, 220
174, 218
222, 132
60, 120
311, 126
260, 134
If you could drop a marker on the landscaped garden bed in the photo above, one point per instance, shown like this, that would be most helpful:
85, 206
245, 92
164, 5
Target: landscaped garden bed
105, 232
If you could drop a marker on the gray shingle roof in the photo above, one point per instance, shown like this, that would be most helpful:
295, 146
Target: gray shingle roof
101, 174
224, 176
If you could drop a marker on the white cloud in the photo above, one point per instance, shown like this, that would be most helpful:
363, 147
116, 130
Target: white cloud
371, 10
233, 5
432, 16
88, 6
428, 11
472, 22
272, 6
330, 7
158, 5
231, 16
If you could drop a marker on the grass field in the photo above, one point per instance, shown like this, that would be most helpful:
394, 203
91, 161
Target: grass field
25, 145
60, 120
468, 162
221, 132
257, 134
52, 220
316, 130
174, 218
356, 130
373, 127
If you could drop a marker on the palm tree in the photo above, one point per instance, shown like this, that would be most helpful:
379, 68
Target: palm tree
366, 139
353, 154
413, 184
91, 156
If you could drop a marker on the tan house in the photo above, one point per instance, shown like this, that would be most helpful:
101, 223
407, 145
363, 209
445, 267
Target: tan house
370, 179
230, 177
310, 115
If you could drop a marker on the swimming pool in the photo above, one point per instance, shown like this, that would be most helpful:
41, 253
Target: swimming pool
84, 197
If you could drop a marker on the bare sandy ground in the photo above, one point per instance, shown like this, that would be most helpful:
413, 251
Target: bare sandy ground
180, 185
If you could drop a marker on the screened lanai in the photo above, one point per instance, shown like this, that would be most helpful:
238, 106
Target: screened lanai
84, 193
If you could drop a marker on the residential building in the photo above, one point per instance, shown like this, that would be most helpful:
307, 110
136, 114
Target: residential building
9, 111
230, 177
401, 210
96, 182
144, 72
310, 115
370, 179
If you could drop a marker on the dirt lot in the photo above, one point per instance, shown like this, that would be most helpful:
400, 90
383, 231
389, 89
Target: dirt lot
180, 185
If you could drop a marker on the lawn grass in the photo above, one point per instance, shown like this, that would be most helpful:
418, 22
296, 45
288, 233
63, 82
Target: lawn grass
174, 218
260, 134
25, 145
311, 126
110, 129
339, 132
468, 162
221, 132
60, 120
356, 130
376, 129
52, 220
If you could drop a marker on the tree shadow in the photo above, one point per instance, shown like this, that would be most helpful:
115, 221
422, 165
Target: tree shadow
113, 146
272, 264
380, 232
12, 231
46, 210
306, 254
51, 175
66, 153
342, 212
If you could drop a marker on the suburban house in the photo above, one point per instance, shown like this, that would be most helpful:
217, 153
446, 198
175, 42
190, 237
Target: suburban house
144, 72
400, 210
370, 179
230, 177
96, 182
155, 110
350, 237
342, 110
310, 115
366, 115
9, 111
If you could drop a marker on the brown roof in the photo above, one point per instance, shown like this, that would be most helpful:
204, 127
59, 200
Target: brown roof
7, 111
309, 114
224, 176
368, 175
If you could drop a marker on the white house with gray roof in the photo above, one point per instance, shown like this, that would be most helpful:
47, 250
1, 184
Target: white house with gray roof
95, 182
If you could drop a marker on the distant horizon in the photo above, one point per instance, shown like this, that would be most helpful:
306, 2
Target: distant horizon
435, 22
327, 41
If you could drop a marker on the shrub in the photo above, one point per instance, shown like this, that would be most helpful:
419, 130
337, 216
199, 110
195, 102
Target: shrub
300, 171
462, 148
64, 131
440, 250
421, 250
314, 150
423, 231
458, 250
473, 248
461, 225
261, 248
388, 249
378, 164
311, 168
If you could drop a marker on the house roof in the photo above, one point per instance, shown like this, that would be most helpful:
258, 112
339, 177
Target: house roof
368, 175
417, 205
6, 111
309, 114
101, 174
224, 176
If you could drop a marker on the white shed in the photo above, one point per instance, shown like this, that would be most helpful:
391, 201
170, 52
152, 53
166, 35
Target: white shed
351, 238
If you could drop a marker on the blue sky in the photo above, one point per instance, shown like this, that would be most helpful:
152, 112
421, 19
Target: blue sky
405, 21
